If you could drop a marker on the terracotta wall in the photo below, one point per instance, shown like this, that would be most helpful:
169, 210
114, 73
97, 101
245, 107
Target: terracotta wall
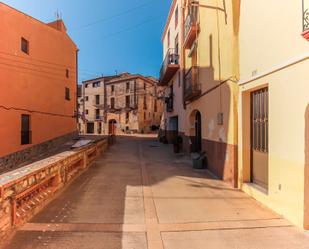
36, 81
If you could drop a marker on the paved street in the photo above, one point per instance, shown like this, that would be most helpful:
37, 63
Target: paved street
140, 195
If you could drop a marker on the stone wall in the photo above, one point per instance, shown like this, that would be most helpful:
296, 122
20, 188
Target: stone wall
17, 159
25, 191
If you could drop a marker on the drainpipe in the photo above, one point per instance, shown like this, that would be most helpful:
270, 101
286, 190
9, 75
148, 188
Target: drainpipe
76, 100
183, 53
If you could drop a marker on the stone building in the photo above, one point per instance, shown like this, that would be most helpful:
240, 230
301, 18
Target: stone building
38, 76
125, 103
199, 72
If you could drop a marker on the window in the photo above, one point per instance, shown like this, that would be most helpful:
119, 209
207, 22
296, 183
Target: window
97, 114
24, 45
25, 129
168, 39
128, 86
96, 84
67, 73
87, 112
86, 85
127, 117
176, 17
145, 104
176, 45
155, 109
113, 103
86, 98
97, 99
112, 89
67, 93
128, 101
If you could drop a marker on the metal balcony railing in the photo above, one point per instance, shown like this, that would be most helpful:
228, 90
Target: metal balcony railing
171, 58
98, 117
192, 85
305, 15
191, 20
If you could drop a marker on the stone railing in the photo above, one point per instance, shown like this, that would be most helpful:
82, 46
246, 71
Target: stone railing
25, 191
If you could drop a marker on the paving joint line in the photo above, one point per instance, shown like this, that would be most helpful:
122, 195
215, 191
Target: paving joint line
154, 238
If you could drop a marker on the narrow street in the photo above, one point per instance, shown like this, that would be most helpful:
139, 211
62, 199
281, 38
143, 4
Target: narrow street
140, 195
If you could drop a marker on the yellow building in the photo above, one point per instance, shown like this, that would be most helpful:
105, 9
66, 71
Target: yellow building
171, 74
273, 106
204, 90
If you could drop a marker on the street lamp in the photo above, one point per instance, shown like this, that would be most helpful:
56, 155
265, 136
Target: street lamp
305, 14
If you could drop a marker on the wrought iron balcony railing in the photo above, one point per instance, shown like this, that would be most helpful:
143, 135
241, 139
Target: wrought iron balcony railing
191, 29
169, 67
98, 117
192, 86
305, 15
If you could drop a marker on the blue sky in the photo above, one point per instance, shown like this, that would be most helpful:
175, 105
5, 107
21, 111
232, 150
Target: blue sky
122, 35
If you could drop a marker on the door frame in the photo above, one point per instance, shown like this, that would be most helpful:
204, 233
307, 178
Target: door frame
252, 138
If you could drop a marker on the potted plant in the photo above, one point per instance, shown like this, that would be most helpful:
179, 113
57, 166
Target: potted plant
177, 144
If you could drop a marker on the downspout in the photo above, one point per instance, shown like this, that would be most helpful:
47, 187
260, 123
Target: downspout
183, 51
76, 100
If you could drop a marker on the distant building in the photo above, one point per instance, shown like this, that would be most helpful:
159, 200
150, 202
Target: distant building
125, 103
38, 75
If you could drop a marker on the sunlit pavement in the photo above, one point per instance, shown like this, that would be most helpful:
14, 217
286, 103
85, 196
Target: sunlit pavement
140, 195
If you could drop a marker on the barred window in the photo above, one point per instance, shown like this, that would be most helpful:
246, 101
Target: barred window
259, 100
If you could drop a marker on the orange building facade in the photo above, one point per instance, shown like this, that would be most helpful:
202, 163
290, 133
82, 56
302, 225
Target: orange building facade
38, 82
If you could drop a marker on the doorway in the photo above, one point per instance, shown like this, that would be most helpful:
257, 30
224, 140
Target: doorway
112, 127
259, 137
198, 132
90, 128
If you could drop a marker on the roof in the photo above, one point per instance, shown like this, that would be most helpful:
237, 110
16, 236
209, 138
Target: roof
57, 25
122, 77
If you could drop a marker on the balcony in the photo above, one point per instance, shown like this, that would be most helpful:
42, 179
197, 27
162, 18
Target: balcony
191, 31
192, 86
305, 33
98, 117
169, 67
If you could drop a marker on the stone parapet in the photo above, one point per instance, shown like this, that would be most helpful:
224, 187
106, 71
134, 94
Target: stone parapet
25, 191
17, 159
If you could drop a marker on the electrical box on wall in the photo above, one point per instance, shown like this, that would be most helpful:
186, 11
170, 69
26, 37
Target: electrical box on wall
220, 118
